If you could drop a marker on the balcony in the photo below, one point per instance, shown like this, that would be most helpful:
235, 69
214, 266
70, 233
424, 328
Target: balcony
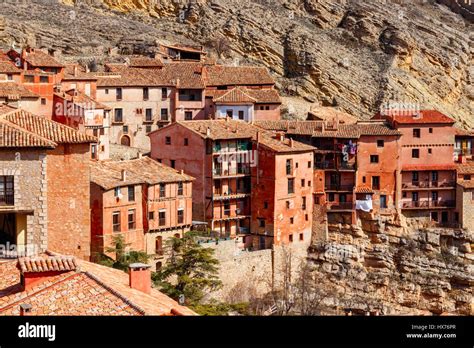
347, 166
429, 185
335, 187
218, 171
334, 206
428, 204
325, 165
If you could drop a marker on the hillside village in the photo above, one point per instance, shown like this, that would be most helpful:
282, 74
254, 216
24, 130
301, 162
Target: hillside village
158, 146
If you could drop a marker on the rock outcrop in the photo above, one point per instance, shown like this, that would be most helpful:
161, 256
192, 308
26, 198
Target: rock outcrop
380, 266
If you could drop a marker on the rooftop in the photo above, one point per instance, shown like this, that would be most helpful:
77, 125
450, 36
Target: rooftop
415, 117
245, 95
77, 72
324, 113
80, 288
14, 91
145, 62
82, 100
41, 59
466, 168
108, 174
20, 128
219, 75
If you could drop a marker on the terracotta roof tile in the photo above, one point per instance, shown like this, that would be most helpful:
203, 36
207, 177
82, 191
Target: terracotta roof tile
324, 113
13, 136
466, 168
82, 100
50, 131
235, 95
418, 117
77, 72
108, 174
219, 75
376, 128
363, 189
12, 90
47, 264
88, 289
266, 95
467, 184
7, 66
145, 62
41, 59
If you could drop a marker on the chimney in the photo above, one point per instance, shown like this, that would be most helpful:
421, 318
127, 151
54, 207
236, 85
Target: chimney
282, 137
124, 175
182, 172
291, 142
208, 132
258, 137
140, 277
25, 309
75, 70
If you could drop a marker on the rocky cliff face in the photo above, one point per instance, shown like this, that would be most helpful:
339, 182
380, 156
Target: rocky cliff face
381, 266
356, 55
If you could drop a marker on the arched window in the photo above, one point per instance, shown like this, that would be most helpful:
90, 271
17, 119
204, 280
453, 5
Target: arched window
125, 140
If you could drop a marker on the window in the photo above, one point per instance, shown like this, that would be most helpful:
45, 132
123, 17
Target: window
290, 238
162, 218
125, 129
296, 165
289, 167
43, 101
117, 192
229, 113
376, 182
331, 197
265, 205
148, 115
342, 198
131, 219
383, 201
415, 176
116, 221
302, 182
44, 79
380, 143
430, 151
309, 164
180, 216
292, 220
262, 107
168, 140
164, 114
118, 115
364, 180
306, 217
241, 115
414, 196
164, 93
430, 130
172, 163
188, 115
466, 177
151, 215
415, 153
434, 196
29, 79
186, 142
291, 186
159, 245
301, 236
374, 158
434, 176
261, 223
180, 189
131, 193
416, 133
158, 266
287, 204
303, 205
7, 190
94, 151
118, 93
10, 77
106, 91
162, 190
226, 208
309, 183
148, 128
146, 93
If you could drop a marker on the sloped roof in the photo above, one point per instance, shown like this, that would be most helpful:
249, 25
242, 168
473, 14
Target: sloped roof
422, 167
47, 264
82, 100
38, 131
266, 95
466, 168
12, 90
108, 174
467, 184
375, 128
326, 113
363, 189
220, 75
415, 117
88, 289
140, 62
77, 72
39, 58
7, 66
